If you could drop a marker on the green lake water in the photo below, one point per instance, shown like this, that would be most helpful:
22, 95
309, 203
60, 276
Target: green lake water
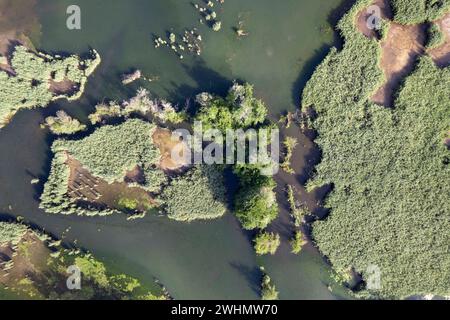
200, 260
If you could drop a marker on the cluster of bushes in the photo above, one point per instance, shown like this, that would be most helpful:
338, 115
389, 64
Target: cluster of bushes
62, 123
160, 110
267, 243
255, 202
238, 110
29, 85
198, 194
419, 11
49, 281
388, 168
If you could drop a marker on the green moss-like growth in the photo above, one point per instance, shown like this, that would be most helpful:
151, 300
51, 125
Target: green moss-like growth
62, 123
388, 168
199, 194
418, 11
267, 243
30, 83
45, 267
289, 143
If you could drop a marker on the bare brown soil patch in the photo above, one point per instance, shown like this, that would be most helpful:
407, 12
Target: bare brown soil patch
65, 87
90, 190
364, 15
162, 138
399, 51
441, 54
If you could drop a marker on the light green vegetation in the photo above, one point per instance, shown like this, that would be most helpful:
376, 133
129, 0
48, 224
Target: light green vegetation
267, 243
11, 233
418, 11
255, 202
435, 36
62, 123
45, 264
128, 204
240, 109
289, 143
298, 212
199, 194
160, 110
30, 84
268, 290
298, 242
111, 151
388, 168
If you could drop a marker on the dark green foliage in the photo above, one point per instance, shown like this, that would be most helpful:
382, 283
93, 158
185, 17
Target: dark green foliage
418, 11
198, 194
388, 167
240, 109
255, 202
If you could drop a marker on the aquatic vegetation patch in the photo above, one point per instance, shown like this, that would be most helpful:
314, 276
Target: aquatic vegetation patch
33, 80
62, 123
198, 194
32, 265
388, 169
267, 243
419, 11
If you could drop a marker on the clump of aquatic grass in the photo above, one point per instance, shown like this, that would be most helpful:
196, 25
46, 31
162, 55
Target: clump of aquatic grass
62, 123
267, 243
268, 290
289, 143
298, 242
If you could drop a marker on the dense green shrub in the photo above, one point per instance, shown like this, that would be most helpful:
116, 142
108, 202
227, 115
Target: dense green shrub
198, 194
255, 201
388, 168
240, 109
418, 11
267, 243
29, 86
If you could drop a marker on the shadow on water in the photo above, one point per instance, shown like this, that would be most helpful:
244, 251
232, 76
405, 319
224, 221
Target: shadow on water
253, 275
205, 78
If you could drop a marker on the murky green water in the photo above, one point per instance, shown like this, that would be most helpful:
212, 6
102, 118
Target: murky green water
202, 260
